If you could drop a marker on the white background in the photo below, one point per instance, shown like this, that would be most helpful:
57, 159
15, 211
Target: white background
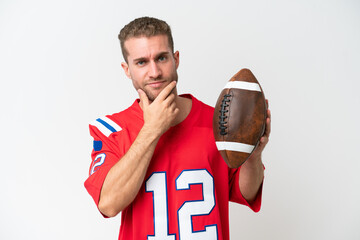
60, 69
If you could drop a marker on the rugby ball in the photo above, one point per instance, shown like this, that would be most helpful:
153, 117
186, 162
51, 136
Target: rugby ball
239, 118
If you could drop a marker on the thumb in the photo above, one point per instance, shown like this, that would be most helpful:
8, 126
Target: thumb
144, 101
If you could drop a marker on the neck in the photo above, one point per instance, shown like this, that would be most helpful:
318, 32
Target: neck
184, 104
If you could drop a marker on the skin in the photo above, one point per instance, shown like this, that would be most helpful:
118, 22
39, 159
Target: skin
152, 67
252, 171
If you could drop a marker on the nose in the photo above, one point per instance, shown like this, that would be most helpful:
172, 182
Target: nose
154, 71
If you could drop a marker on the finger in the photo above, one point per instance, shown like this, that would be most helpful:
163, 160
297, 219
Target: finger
143, 98
262, 144
176, 111
170, 99
166, 91
268, 113
268, 123
173, 106
264, 140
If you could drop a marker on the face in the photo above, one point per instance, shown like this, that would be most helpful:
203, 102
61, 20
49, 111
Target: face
151, 64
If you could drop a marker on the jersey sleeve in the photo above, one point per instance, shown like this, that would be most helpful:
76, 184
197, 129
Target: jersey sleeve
235, 192
109, 145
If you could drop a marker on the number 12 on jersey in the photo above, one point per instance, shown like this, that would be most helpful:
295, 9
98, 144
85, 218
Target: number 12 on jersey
156, 184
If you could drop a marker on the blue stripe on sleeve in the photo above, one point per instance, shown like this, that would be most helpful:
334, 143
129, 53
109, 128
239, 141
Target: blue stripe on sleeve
106, 125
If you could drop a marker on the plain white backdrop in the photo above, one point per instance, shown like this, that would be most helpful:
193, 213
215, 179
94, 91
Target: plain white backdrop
60, 69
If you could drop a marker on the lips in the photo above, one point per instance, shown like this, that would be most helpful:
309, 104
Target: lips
156, 84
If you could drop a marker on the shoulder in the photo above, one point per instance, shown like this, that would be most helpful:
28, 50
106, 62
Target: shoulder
106, 125
199, 105
202, 112
116, 122
202, 106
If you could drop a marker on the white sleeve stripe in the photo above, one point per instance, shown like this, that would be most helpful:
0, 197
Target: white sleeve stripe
106, 126
111, 123
243, 85
101, 128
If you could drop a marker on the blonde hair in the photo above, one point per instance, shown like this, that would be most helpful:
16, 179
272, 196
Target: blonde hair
144, 27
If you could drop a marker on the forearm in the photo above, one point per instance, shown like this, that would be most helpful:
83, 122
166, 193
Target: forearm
125, 178
252, 171
251, 178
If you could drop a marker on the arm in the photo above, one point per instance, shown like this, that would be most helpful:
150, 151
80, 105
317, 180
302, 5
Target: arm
252, 171
125, 178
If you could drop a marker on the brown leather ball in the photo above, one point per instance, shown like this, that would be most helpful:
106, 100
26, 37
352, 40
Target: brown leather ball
239, 118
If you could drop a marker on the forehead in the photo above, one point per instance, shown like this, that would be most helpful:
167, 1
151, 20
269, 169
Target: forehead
140, 47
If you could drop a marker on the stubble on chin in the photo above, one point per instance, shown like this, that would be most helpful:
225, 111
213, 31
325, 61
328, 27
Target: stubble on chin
152, 96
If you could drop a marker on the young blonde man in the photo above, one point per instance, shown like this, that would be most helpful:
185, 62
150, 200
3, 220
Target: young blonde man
156, 162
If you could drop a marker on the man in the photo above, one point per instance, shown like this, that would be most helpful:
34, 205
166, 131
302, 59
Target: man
156, 162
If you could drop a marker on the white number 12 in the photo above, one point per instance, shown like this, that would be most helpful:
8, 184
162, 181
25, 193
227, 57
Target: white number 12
157, 185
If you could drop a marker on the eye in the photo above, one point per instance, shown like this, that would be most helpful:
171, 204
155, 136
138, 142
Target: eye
162, 59
140, 63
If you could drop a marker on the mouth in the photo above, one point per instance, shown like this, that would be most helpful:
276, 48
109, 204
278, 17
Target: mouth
156, 84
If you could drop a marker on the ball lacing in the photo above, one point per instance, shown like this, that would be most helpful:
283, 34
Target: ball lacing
223, 111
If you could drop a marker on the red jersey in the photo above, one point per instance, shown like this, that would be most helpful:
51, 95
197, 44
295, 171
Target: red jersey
188, 186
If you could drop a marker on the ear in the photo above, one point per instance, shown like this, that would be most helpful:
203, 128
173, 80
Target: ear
125, 66
177, 59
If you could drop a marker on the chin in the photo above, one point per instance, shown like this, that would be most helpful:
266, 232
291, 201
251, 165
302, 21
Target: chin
153, 95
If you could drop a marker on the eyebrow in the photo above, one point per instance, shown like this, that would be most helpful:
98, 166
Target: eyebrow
157, 56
